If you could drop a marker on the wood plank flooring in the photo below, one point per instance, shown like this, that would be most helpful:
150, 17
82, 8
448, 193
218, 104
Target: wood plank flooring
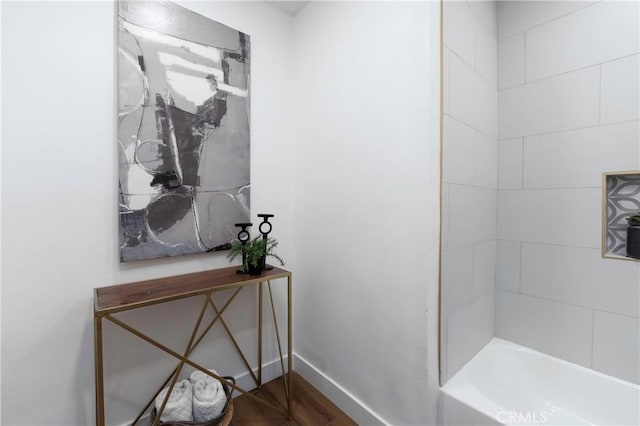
310, 407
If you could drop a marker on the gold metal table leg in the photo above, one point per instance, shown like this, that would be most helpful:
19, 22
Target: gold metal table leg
233, 340
289, 347
99, 378
275, 326
260, 334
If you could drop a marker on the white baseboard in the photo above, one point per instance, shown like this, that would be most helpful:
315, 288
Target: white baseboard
341, 397
345, 400
270, 371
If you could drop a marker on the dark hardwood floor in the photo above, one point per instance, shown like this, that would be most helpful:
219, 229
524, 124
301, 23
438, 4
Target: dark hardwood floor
310, 407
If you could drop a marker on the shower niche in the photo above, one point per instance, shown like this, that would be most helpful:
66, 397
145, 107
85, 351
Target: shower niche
620, 199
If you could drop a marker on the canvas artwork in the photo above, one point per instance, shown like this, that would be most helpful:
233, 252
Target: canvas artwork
183, 131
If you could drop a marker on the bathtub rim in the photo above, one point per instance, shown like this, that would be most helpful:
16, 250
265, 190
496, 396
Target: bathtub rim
485, 405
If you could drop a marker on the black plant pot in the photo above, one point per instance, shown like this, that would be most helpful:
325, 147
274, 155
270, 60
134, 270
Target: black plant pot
255, 270
633, 242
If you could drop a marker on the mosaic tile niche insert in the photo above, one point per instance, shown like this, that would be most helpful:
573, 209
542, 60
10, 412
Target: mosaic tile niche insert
622, 198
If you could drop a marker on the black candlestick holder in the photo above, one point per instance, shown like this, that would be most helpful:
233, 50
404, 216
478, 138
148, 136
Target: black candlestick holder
244, 237
265, 229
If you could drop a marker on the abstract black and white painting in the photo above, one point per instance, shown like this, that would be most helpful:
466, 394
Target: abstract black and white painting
183, 131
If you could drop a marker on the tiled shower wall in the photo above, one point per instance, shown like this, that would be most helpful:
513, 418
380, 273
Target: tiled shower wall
469, 181
568, 111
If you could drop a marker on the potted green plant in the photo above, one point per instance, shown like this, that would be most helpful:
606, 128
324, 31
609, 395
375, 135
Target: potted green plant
254, 252
633, 236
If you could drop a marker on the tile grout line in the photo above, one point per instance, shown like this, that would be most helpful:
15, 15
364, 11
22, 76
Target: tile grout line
548, 188
473, 275
593, 335
520, 270
495, 35
618, 58
600, 95
448, 221
522, 162
471, 127
562, 302
554, 19
476, 242
549, 244
475, 39
573, 129
475, 159
525, 61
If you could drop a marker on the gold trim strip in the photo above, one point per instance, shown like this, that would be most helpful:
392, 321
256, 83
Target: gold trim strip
440, 246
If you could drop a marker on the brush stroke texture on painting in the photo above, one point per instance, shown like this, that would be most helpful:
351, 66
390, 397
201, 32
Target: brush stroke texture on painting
183, 131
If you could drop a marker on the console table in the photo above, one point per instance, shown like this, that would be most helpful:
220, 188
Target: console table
108, 301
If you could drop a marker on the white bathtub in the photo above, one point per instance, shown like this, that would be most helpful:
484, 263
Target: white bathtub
508, 384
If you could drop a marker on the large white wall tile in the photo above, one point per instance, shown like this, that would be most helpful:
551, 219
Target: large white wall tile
554, 328
569, 97
486, 54
580, 276
595, 34
568, 101
621, 90
616, 346
557, 216
469, 329
510, 163
472, 215
511, 61
487, 13
457, 278
518, 16
508, 265
471, 98
459, 149
459, 30
484, 268
577, 158
486, 165
470, 180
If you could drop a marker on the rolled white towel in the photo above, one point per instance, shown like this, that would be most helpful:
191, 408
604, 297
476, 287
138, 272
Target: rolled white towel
209, 398
179, 406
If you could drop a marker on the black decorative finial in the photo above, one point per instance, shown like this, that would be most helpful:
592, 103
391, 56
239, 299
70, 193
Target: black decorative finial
265, 229
244, 237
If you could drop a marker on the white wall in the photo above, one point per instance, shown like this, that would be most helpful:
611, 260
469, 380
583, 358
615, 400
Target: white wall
469, 181
363, 182
568, 109
366, 203
59, 196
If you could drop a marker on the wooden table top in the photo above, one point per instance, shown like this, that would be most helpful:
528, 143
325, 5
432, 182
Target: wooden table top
122, 297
